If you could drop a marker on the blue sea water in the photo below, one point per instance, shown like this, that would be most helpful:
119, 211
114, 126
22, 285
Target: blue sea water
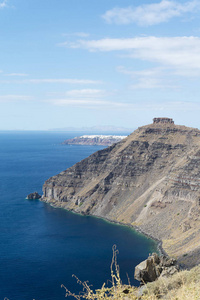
40, 246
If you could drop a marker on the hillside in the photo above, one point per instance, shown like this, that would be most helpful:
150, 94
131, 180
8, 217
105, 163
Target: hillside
150, 179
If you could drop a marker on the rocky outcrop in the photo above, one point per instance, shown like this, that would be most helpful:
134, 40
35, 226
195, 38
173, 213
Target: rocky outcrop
150, 180
34, 196
154, 266
163, 120
103, 140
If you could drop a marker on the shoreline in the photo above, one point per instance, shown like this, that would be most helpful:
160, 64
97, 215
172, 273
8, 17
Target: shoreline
159, 247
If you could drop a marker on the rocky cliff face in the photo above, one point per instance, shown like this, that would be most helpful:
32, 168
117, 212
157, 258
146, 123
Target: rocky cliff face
151, 180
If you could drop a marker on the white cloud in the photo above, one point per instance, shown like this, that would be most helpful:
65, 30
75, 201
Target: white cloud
13, 98
150, 14
142, 73
149, 78
77, 34
3, 4
17, 74
151, 83
180, 53
52, 80
154, 106
64, 80
91, 98
88, 93
87, 103
175, 106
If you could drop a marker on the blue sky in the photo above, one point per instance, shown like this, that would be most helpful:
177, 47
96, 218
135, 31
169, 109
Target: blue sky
85, 63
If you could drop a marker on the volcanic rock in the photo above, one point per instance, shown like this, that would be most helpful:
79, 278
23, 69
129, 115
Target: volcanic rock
153, 267
150, 180
34, 196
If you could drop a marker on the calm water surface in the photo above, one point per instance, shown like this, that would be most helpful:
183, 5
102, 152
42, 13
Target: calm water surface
41, 247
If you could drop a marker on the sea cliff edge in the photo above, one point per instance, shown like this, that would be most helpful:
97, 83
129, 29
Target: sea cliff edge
149, 181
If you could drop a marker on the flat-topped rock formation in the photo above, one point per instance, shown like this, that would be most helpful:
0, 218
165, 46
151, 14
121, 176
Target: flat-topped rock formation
150, 179
163, 121
104, 140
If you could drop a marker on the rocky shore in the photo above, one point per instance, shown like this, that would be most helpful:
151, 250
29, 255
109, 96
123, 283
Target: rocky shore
160, 249
33, 196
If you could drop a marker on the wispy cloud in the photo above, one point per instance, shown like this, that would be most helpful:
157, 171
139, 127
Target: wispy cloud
91, 98
148, 78
53, 80
88, 93
14, 98
180, 53
87, 103
150, 14
3, 4
77, 34
151, 105
173, 106
16, 74
64, 80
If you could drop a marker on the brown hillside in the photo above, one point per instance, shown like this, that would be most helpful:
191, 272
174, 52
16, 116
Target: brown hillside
151, 179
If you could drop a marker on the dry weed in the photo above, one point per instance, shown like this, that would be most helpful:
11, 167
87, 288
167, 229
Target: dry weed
181, 286
115, 292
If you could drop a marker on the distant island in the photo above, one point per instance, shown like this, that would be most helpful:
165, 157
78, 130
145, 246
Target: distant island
96, 129
103, 140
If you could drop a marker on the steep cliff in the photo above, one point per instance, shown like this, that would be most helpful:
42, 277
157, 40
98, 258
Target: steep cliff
151, 180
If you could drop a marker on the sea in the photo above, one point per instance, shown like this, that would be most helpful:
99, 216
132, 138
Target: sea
41, 247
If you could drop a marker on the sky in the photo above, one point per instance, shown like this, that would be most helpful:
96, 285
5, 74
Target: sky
84, 63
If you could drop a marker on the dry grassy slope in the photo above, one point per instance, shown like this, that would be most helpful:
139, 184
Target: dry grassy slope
151, 179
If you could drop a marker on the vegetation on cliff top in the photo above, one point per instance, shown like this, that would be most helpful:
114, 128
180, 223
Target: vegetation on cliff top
183, 285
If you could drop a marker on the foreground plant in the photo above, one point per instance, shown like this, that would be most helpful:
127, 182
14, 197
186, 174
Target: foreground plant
116, 291
184, 285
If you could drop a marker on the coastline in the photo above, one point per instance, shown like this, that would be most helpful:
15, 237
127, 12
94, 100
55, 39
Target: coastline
159, 247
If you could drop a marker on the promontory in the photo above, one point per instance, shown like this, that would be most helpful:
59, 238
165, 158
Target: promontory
150, 180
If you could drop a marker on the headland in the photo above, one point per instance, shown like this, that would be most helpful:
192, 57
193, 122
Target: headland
149, 180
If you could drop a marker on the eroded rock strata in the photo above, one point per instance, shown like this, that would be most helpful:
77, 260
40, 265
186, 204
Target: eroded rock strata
151, 180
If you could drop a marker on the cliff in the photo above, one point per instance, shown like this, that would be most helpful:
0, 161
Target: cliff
104, 140
151, 180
